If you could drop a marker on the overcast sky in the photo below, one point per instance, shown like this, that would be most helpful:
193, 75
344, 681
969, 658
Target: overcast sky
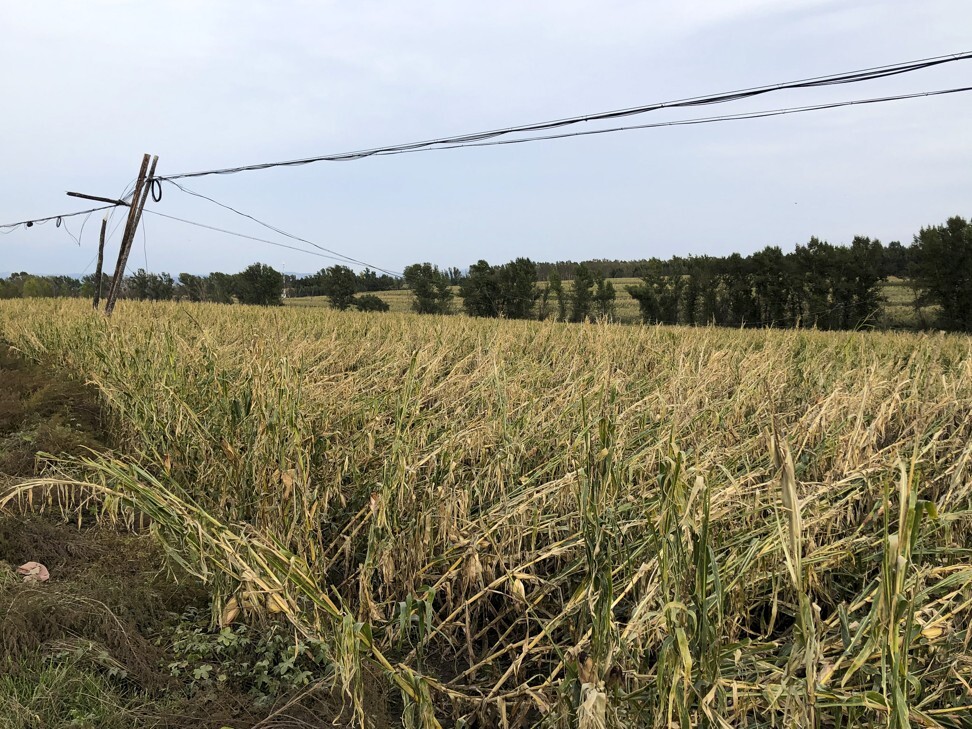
88, 87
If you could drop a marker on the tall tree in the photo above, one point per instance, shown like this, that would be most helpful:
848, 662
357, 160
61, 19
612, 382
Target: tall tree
480, 290
740, 305
191, 287
339, 284
517, 288
259, 284
137, 285
580, 299
161, 287
648, 292
556, 287
40, 287
220, 287
772, 286
604, 296
942, 270
864, 259
430, 288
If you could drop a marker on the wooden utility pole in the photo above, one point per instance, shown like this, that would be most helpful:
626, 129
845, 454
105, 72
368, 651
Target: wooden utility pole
101, 261
139, 196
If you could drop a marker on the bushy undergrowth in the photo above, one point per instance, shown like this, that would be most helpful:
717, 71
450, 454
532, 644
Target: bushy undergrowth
265, 663
521, 523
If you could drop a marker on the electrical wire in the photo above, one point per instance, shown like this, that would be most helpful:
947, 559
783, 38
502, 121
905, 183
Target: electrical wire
89, 265
268, 226
59, 218
693, 121
721, 98
335, 255
75, 238
260, 240
41, 221
482, 138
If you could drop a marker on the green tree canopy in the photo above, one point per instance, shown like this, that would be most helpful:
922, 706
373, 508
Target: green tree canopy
430, 288
480, 291
580, 299
339, 284
942, 269
259, 284
370, 302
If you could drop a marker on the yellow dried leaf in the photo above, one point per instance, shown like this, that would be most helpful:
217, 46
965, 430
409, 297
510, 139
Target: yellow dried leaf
230, 612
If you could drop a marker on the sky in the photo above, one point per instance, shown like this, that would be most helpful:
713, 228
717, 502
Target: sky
87, 88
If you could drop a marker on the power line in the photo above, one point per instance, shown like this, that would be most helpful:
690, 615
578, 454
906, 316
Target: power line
693, 121
262, 240
76, 238
41, 221
268, 226
59, 218
335, 255
848, 77
488, 138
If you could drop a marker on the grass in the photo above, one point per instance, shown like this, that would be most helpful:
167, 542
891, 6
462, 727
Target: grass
517, 523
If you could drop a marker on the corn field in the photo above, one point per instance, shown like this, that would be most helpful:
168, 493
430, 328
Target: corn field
535, 524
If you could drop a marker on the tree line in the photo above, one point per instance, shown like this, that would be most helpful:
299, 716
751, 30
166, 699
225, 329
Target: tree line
257, 284
818, 284
895, 261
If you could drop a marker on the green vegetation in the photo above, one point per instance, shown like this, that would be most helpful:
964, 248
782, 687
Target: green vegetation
507, 291
339, 285
258, 284
943, 272
818, 285
529, 522
430, 289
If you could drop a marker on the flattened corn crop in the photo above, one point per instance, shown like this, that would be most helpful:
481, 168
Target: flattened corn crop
525, 523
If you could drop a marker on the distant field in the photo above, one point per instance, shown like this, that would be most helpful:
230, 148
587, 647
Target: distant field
899, 308
898, 312
400, 300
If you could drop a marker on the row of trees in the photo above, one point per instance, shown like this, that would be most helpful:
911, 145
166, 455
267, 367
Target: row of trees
817, 284
512, 291
257, 284
894, 259
322, 283
341, 285
26, 285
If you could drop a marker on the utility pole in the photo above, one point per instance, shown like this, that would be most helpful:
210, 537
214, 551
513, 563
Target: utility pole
143, 186
139, 196
101, 261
